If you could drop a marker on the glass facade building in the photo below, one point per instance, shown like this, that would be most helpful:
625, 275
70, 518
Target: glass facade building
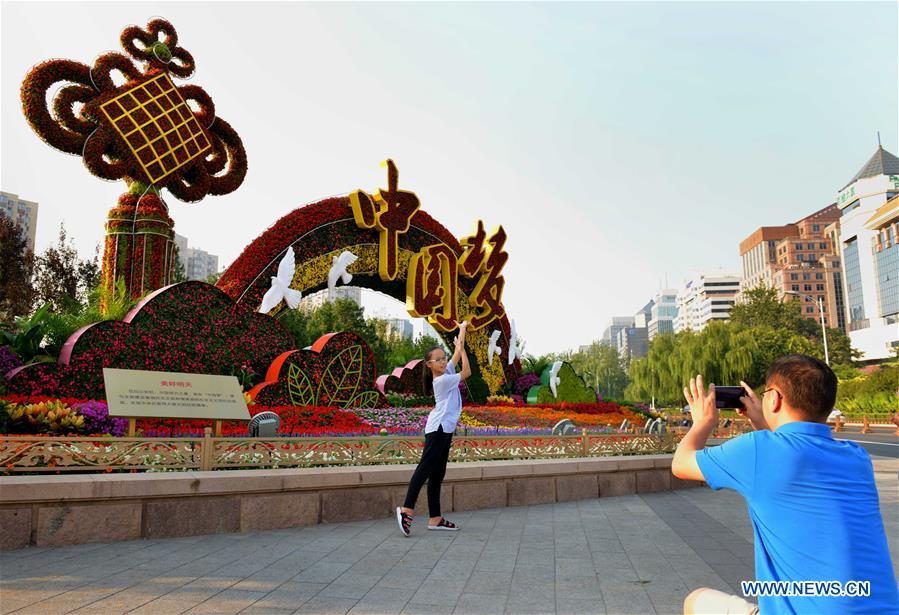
887, 263
855, 296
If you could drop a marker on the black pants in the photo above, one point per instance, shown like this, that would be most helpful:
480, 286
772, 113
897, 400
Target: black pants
432, 468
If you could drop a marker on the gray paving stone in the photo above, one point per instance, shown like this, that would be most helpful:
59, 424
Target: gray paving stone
228, 601
291, 595
414, 608
326, 606
486, 582
481, 604
567, 605
634, 554
350, 586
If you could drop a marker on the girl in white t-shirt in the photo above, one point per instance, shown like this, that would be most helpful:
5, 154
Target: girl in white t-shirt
441, 377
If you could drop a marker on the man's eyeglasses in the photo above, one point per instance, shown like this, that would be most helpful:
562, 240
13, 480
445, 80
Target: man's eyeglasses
772, 389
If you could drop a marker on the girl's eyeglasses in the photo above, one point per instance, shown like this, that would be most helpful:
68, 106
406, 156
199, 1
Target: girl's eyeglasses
440, 360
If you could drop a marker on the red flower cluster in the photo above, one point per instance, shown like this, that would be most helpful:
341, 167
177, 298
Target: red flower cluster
297, 421
190, 327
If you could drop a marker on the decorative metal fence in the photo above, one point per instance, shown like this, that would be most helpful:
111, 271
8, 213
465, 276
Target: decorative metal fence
92, 454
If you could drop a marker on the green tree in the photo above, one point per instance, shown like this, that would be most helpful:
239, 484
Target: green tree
601, 367
332, 317
178, 273
16, 268
763, 307
61, 278
531, 364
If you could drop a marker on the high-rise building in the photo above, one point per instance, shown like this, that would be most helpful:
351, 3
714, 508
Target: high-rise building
865, 224
23, 213
798, 259
758, 254
885, 224
610, 335
705, 297
633, 341
664, 310
399, 327
314, 300
181, 244
200, 264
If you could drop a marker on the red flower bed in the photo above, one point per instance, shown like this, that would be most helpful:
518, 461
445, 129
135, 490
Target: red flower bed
298, 421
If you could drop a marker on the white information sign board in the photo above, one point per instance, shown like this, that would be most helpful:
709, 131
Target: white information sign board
136, 393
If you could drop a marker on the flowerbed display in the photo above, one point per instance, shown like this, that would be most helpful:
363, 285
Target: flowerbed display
60, 417
395, 420
338, 370
295, 421
570, 388
321, 231
189, 327
538, 417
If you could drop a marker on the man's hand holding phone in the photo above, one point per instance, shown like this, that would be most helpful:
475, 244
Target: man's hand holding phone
752, 408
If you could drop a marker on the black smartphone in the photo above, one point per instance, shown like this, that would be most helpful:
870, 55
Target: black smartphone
729, 397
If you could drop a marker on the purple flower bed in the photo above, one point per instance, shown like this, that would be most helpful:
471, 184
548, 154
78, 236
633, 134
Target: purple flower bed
8, 361
97, 419
395, 419
524, 383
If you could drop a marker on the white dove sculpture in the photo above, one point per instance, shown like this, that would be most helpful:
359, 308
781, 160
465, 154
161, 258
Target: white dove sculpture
338, 270
554, 379
514, 351
280, 289
493, 348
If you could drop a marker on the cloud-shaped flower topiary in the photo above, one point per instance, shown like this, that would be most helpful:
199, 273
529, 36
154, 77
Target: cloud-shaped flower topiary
190, 327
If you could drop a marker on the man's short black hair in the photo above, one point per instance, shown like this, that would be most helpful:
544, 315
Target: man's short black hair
807, 384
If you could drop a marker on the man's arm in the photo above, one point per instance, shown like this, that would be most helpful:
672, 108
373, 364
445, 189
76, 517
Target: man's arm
705, 420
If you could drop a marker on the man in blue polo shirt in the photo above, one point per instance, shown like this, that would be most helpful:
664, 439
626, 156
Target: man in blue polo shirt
812, 499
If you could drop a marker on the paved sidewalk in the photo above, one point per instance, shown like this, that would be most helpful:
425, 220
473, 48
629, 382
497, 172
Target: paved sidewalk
635, 554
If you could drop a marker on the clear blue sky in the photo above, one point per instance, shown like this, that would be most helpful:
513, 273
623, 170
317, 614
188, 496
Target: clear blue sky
616, 142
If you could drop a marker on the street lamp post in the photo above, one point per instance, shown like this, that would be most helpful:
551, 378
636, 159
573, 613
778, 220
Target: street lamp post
820, 305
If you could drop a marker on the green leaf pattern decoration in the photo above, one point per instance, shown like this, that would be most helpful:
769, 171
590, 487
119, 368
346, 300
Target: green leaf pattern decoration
299, 388
337, 371
341, 378
366, 399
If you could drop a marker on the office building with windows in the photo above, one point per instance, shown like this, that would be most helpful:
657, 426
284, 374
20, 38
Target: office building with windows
23, 213
800, 260
865, 225
610, 335
705, 297
664, 310
885, 249
633, 341
399, 327
317, 299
